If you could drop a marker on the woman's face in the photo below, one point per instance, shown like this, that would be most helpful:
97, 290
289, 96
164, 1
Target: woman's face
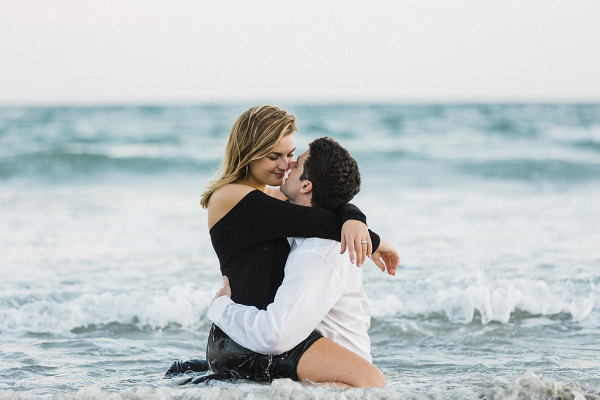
271, 169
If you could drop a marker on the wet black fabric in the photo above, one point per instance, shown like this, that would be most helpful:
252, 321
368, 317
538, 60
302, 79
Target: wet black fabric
226, 358
189, 366
251, 242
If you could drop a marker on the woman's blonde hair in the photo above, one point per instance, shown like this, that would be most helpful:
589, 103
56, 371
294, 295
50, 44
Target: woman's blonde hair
254, 135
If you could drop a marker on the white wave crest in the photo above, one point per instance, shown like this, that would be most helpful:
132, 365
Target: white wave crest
531, 386
61, 313
493, 300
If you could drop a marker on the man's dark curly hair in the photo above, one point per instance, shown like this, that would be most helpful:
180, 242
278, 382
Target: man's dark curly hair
333, 172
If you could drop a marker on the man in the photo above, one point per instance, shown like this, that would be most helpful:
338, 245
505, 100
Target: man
321, 290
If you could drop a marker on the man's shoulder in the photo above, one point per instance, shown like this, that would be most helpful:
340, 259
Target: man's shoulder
327, 248
316, 243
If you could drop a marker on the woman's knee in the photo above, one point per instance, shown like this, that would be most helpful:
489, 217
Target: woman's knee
379, 379
373, 377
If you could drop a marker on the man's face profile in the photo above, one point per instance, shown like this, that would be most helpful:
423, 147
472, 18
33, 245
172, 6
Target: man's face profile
292, 185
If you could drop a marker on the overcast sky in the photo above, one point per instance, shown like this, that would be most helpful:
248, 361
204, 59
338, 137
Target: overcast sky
192, 51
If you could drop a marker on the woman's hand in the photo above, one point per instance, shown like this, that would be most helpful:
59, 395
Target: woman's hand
355, 236
224, 291
386, 257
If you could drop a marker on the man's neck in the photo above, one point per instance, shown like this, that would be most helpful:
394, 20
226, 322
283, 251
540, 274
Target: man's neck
302, 201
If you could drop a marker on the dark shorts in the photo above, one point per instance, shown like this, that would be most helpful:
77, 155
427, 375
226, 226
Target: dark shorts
226, 356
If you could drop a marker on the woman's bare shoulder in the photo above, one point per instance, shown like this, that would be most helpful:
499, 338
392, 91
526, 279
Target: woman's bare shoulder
233, 191
224, 199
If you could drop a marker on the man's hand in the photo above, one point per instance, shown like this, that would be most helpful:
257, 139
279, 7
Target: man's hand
354, 233
224, 291
386, 257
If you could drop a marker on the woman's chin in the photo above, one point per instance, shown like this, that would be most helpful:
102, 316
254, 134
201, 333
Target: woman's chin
276, 182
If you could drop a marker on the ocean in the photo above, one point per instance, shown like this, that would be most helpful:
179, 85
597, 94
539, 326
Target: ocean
107, 270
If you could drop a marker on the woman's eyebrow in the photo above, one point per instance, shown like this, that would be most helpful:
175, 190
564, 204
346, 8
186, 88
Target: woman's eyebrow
279, 154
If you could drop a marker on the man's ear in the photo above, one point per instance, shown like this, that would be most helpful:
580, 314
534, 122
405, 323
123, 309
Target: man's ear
306, 187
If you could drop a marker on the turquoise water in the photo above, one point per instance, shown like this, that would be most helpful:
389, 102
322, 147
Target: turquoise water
106, 268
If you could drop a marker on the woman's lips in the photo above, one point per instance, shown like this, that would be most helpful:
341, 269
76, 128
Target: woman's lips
281, 175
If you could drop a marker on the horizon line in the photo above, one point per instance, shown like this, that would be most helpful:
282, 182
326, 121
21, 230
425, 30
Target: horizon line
294, 102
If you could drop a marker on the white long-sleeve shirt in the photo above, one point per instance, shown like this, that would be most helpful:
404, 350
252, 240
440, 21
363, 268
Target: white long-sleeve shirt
321, 290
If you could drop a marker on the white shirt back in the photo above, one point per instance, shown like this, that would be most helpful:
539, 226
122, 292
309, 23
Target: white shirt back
349, 319
321, 290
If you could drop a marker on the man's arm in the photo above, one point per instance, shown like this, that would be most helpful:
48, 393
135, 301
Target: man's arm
310, 289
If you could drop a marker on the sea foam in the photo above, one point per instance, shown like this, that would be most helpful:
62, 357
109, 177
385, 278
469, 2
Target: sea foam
528, 386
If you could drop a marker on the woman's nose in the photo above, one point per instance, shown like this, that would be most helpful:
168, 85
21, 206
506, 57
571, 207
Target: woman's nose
284, 165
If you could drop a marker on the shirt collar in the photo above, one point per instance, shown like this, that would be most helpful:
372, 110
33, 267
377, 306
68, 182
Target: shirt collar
296, 241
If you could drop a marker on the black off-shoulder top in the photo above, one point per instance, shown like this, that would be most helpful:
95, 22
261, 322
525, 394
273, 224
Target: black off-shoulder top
252, 247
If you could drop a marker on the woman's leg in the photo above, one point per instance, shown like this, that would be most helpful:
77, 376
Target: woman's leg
326, 361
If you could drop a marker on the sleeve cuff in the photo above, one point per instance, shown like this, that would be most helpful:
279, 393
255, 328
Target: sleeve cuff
375, 240
217, 308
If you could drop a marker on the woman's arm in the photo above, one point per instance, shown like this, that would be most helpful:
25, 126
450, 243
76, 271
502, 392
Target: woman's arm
259, 218
355, 235
291, 220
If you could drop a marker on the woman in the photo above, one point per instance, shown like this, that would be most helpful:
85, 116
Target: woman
248, 230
